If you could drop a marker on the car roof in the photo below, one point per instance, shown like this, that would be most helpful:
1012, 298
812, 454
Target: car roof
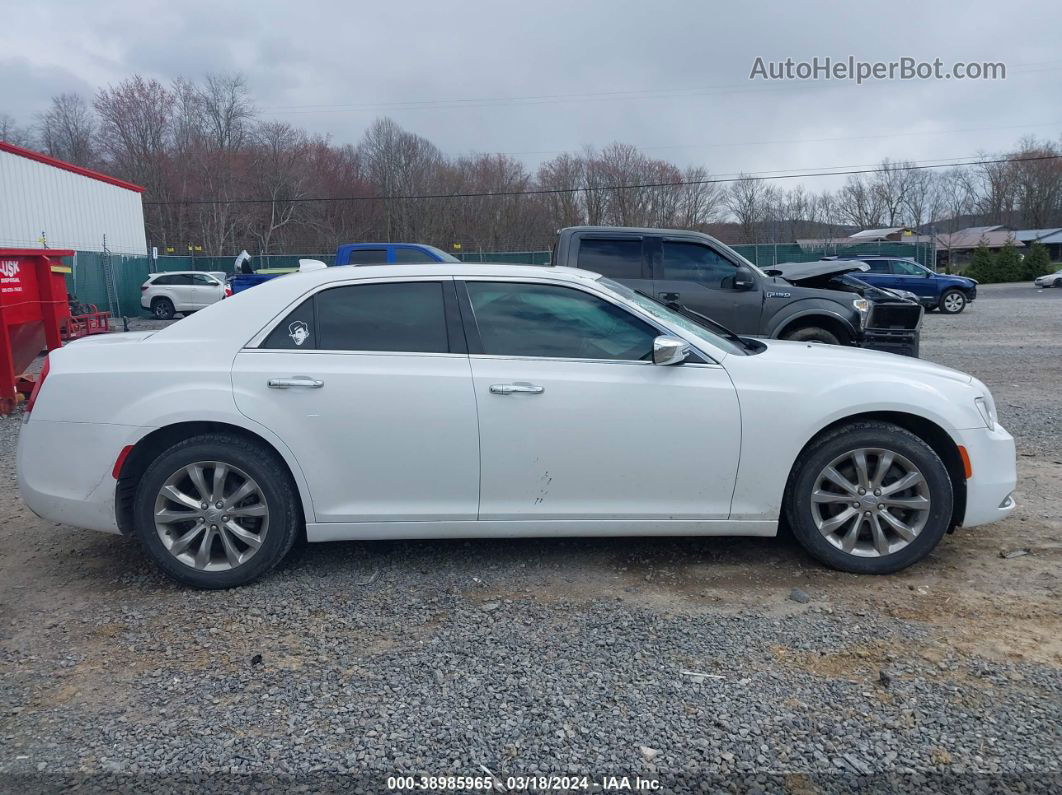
180, 273
342, 273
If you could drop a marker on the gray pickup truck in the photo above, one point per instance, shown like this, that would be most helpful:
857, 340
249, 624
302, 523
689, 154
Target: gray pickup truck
816, 302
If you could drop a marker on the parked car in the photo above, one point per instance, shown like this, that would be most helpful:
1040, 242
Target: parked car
450, 401
353, 254
1049, 279
950, 294
165, 294
697, 272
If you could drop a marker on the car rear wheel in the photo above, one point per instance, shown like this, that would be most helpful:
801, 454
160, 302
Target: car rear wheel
217, 511
1058, 282
813, 334
869, 498
162, 308
952, 302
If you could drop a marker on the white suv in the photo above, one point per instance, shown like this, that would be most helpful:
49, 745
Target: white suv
181, 291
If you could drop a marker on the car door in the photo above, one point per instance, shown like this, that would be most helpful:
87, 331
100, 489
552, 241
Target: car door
914, 279
880, 273
699, 277
179, 285
575, 421
620, 257
204, 291
369, 385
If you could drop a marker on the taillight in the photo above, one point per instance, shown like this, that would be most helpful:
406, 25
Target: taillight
228, 292
143, 287
37, 386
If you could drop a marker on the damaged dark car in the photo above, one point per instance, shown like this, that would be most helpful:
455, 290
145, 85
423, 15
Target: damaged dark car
693, 272
893, 319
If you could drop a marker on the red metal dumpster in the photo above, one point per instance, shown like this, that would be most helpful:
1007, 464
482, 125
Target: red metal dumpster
33, 311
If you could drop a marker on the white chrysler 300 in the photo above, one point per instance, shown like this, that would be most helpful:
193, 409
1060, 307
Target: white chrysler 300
443, 401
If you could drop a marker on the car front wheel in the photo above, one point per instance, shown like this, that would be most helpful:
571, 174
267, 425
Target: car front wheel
869, 498
217, 511
813, 334
952, 302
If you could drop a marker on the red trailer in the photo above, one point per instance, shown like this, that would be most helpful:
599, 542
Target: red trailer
34, 315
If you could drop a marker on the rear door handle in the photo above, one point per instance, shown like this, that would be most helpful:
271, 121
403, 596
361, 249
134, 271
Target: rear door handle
298, 380
519, 386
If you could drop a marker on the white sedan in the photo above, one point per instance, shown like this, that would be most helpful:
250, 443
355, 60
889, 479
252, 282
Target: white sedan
1049, 279
451, 401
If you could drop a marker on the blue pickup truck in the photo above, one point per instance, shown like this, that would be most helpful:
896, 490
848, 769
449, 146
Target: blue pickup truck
351, 254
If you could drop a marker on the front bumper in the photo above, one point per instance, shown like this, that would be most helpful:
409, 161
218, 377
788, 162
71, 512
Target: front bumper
993, 465
64, 470
905, 342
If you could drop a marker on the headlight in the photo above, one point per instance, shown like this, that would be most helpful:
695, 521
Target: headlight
987, 406
862, 304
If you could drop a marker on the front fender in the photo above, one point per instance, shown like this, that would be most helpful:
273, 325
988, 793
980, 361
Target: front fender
809, 308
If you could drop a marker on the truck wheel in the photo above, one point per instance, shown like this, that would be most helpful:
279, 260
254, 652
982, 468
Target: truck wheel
952, 302
869, 498
216, 511
162, 308
812, 334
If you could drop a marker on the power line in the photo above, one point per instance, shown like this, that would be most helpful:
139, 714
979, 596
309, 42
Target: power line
606, 188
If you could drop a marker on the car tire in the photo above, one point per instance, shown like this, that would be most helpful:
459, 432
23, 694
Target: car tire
952, 302
813, 334
162, 309
1058, 282
246, 537
840, 527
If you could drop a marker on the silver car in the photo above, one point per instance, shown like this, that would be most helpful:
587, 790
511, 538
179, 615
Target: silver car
1050, 279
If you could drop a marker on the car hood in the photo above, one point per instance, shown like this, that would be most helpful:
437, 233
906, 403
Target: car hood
849, 359
799, 271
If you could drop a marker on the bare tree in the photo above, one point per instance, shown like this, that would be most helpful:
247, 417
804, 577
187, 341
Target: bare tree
858, 203
227, 110
11, 132
749, 201
67, 130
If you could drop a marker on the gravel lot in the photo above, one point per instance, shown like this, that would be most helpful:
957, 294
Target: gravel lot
688, 661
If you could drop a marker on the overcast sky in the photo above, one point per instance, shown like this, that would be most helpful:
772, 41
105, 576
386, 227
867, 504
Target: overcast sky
537, 78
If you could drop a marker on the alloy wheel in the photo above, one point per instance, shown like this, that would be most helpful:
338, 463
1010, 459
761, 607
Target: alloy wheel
953, 302
870, 502
211, 516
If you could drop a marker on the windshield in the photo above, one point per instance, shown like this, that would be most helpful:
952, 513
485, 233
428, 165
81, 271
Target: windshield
665, 315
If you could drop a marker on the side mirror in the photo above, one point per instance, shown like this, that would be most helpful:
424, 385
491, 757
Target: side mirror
743, 279
669, 350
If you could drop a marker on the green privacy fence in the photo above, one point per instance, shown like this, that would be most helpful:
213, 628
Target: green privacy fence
112, 282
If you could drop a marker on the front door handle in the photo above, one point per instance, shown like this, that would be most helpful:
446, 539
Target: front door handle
299, 380
519, 386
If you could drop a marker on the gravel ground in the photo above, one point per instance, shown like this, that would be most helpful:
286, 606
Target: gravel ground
692, 662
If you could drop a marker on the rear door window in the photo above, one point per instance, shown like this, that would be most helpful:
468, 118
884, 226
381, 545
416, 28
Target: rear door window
412, 256
368, 256
401, 316
617, 259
